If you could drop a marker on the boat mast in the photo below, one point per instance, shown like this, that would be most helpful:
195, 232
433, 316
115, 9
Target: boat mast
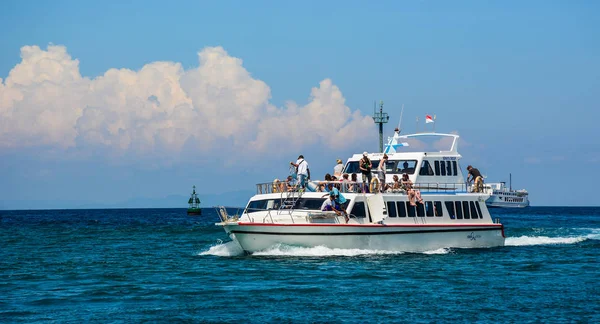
510, 181
380, 118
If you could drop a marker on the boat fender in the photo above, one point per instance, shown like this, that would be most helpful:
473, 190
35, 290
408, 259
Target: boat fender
374, 186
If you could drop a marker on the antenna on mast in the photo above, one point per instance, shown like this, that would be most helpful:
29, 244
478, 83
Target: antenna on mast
380, 118
400, 122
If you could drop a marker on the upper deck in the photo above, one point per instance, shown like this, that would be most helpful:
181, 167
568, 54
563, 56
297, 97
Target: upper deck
425, 157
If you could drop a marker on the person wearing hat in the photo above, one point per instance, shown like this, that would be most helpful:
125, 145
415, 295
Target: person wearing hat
365, 168
337, 169
474, 174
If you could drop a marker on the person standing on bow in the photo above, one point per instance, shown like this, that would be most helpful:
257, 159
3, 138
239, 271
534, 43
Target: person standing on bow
474, 174
365, 168
302, 171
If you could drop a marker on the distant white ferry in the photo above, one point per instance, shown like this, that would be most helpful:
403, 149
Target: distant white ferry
505, 197
448, 216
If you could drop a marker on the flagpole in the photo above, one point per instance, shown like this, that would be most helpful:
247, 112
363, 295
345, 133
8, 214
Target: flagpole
417, 127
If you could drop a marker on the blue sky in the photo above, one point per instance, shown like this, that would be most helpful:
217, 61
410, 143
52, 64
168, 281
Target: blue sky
103, 101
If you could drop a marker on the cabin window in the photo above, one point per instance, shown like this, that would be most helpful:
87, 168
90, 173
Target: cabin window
437, 205
389, 165
391, 209
448, 168
412, 212
358, 210
401, 209
426, 169
466, 213
454, 167
459, 214
437, 168
443, 168
450, 208
352, 167
473, 210
309, 203
257, 205
405, 166
429, 208
420, 210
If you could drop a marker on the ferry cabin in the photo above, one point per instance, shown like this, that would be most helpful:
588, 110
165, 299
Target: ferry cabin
394, 208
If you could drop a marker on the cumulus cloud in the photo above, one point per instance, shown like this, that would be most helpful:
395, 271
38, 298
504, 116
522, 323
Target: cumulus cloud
163, 109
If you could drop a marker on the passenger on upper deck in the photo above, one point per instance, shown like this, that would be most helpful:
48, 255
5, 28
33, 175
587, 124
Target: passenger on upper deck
474, 174
344, 181
301, 171
412, 193
337, 169
381, 172
365, 168
290, 183
352, 187
397, 186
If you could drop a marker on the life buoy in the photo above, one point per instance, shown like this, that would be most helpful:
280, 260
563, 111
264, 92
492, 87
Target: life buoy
374, 186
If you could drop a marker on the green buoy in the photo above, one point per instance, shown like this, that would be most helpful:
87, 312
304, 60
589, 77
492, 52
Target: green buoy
194, 203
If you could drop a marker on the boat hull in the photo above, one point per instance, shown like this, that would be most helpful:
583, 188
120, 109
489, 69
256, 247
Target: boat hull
254, 237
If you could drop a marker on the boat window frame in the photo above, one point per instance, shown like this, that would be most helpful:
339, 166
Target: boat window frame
401, 208
391, 203
450, 208
458, 209
354, 207
426, 169
438, 210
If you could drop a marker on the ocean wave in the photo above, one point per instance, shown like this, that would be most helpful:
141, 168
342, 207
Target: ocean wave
233, 249
287, 250
542, 240
230, 248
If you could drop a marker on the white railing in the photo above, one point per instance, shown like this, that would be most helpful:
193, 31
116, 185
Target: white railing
360, 187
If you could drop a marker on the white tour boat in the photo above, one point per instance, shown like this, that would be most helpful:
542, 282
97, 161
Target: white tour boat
449, 215
501, 196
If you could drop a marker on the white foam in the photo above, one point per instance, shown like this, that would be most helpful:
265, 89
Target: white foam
542, 240
286, 250
439, 251
594, 233
230, 248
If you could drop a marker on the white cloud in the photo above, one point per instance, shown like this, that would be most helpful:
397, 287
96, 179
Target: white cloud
162, 108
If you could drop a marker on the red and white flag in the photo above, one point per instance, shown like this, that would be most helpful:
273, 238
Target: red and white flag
428, 119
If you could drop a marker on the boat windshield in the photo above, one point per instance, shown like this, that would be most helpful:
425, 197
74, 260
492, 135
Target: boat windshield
275, 203
427, 143
392, 166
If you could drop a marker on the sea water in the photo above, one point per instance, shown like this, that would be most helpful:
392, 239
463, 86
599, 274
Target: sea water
160, 265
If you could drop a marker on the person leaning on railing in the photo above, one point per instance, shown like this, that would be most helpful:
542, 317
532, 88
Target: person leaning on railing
474, 174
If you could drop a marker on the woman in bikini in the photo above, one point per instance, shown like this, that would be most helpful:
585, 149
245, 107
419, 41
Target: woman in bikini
412, 193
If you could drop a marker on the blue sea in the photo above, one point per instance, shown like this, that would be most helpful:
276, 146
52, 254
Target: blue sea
160, 265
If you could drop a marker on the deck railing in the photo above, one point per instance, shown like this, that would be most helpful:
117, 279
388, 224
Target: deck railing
360, 187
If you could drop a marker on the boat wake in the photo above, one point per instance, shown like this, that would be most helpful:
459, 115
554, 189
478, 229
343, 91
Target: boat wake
230, 248
542, 240
591, 234
318, 251
233, 249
